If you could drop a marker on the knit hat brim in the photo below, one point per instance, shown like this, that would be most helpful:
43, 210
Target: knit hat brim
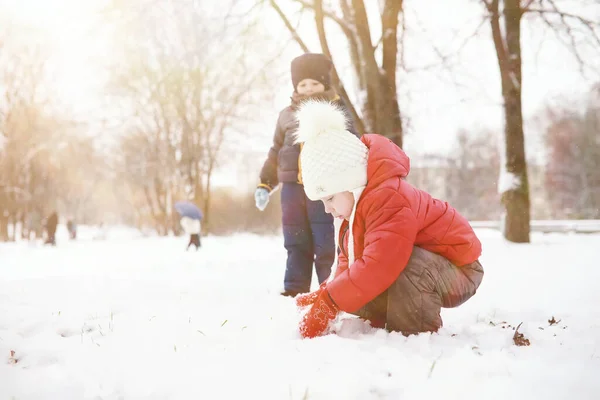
333, 160
344, 181
311, 66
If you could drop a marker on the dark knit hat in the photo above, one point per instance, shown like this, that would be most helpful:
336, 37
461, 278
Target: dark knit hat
312, 66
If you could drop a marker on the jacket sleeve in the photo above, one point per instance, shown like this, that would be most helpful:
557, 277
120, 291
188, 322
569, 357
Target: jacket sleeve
390, 232
268, 174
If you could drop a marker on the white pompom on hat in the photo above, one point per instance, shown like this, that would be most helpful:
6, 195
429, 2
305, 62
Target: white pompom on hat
333, 160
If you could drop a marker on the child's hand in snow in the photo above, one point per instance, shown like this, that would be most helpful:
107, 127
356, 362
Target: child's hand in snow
307, 299
315, 321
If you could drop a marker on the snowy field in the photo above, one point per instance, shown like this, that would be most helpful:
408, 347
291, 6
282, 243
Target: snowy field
138, 318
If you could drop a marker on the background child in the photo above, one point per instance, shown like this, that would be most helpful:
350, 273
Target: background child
51, 225
404, 254
193, 228
308, 230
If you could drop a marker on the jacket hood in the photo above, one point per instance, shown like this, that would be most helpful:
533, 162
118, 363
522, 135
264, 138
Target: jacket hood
386, 160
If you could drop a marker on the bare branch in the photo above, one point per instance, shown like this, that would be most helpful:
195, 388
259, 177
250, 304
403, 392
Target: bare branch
389, 38
402, 38
346, 28
525, 7
289, 26
571, 45
590, 25
455, 53
363, 30
320, 23
501, 51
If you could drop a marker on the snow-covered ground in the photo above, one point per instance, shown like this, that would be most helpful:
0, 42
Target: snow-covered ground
138, 318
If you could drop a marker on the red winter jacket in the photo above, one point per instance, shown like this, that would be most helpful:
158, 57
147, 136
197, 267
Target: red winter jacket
391, 217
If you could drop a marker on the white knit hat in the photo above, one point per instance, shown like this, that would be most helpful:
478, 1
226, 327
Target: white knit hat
332, 160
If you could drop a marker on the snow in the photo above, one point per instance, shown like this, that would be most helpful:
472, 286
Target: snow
508, 181
134, 317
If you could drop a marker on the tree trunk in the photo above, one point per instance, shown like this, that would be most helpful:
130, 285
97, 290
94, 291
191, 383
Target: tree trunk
198, 197
508, 51
389, 118
207, 190
392, 126
3, 227
14, 221
377, 83
157, 217
320, 23
380, 103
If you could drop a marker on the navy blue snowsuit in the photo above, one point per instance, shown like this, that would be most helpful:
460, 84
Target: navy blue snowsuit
308, 230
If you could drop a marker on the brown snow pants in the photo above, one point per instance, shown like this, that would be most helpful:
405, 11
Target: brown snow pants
429, 282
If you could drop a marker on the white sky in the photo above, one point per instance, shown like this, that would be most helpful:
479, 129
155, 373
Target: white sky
66, 29
438, 101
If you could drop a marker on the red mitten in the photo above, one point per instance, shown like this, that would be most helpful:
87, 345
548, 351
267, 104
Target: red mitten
315, 321
307, 299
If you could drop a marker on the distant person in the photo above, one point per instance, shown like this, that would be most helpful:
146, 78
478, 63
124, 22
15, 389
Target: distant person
51, 224
72, 228
192, 227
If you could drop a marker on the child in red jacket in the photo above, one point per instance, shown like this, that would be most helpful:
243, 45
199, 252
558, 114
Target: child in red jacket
404, 255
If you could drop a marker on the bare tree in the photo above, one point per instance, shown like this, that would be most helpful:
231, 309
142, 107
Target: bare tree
48, 162
26, 128
472, 175
572, 176
506, 33
185, 96
505, 20
376, 78
466, 177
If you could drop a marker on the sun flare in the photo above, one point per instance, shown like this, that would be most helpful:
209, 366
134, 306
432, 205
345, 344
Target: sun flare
68, 35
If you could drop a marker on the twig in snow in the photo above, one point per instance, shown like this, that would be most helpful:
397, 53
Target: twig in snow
553, 321
433, 366
12, 359
305, 397
431, 369
224, 322
519, 339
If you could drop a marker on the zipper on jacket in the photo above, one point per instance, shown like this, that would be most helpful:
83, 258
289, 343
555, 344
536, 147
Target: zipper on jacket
344, 241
